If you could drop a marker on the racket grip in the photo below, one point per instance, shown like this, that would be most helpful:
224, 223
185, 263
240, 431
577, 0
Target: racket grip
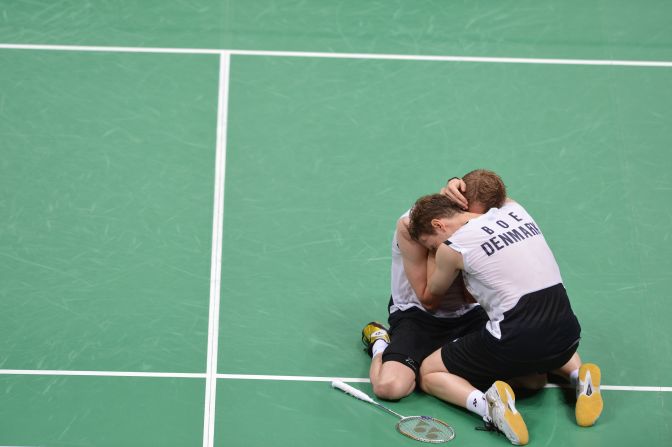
354, 392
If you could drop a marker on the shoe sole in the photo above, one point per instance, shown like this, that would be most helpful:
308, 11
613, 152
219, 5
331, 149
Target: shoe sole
517, 430
589, 404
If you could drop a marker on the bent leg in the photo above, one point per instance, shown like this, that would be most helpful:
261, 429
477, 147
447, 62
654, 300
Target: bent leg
498, 402
573, 364
391, 380
586, 377
437, 381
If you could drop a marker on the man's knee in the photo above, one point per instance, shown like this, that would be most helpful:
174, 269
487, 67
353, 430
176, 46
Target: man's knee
394, 381
394, 388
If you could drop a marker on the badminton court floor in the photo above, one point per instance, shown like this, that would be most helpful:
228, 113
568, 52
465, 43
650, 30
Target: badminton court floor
196, 212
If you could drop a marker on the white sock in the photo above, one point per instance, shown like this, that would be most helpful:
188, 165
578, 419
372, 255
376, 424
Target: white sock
378, 347
476, 403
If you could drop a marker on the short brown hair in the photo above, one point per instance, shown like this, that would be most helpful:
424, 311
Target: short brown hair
427, 208
485, 187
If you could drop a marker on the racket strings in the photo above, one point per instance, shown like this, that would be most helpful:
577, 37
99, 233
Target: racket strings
425, 428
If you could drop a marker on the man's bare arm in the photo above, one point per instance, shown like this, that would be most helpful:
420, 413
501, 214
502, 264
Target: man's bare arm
418, 265
448, 265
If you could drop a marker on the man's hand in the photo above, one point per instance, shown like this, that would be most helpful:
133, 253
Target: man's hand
454, 189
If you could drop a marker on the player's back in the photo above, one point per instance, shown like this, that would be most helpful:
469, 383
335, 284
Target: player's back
505, 257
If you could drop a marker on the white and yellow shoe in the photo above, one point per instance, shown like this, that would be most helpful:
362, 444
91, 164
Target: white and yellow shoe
588, 397
502, 413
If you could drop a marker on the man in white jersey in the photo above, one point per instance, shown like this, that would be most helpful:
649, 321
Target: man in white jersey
510, 270
420, 323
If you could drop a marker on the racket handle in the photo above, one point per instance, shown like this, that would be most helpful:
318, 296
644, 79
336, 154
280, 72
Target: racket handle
354, 392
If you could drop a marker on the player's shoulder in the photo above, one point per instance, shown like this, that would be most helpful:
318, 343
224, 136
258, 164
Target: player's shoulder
511, 204
402, 223
402, 227
406, 216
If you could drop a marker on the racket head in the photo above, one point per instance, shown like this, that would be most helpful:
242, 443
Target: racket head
425, 429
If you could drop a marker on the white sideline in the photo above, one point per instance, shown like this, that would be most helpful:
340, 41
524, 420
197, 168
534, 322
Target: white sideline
39, 372
216, 259
53, 372
318, 54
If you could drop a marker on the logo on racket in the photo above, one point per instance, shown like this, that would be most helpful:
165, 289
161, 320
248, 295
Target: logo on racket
420, 428
427, 430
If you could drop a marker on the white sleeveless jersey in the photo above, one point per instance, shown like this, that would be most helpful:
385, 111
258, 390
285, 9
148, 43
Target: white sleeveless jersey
505, 257
404, 297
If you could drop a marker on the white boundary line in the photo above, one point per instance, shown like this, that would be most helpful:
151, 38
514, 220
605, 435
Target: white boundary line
46, 372
111, 49
216, 262
32, 372
291, 378
369, 56
361, 380
659, 389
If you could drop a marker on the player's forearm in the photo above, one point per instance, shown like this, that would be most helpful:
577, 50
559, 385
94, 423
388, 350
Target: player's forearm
429, 301
431, 265
439, 282
447, 268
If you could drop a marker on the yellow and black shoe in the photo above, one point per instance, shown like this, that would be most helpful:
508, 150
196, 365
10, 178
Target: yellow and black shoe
588, 397
373, 332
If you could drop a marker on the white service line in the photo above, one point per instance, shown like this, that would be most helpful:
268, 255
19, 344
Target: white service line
216, 259
327, 55
363, 380
101, 49
438, 58
40, 372
291, 378
658, 389
46, 372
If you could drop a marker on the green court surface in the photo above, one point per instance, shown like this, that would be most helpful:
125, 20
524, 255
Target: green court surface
123, 322
334, 420
101, 411
105, 226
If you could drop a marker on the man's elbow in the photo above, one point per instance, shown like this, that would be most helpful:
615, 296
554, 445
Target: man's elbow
431, 307
429, 301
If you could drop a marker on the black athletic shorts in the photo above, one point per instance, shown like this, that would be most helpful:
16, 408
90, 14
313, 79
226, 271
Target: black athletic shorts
415, 334
540, 334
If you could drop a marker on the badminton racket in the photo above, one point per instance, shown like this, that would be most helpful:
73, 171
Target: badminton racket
420, 428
